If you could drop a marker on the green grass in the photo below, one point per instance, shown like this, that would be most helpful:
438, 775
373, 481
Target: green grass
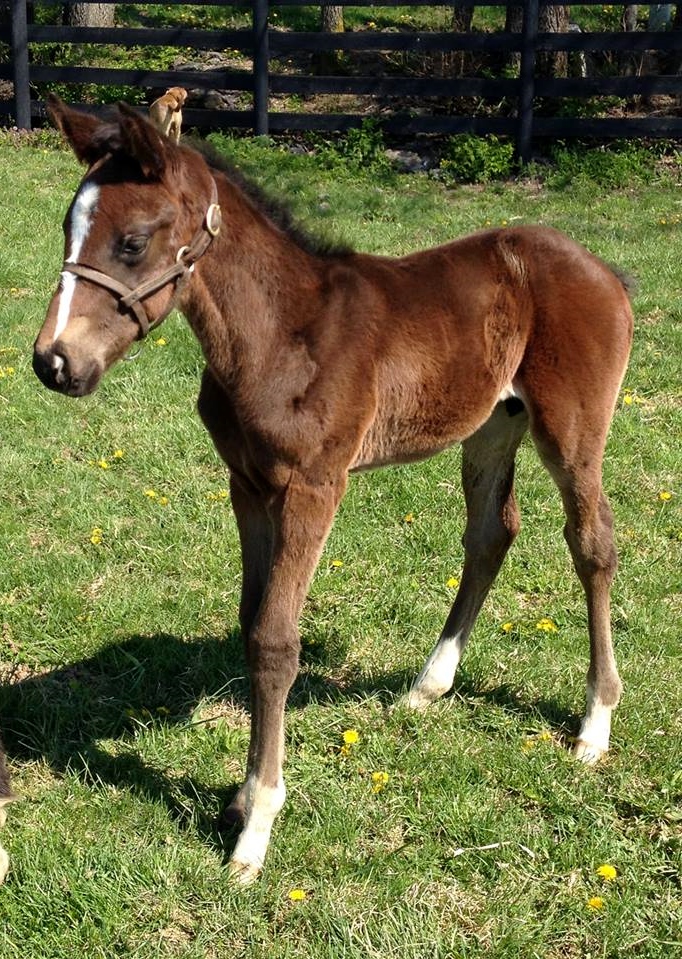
124, 709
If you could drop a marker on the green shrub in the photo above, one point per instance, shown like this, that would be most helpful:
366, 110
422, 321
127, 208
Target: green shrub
473, 159
360, 150
615, 165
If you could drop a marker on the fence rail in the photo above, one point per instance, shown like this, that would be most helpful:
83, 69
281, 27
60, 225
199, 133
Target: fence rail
263, 44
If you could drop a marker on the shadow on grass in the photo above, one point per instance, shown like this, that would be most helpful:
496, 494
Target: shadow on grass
63, 715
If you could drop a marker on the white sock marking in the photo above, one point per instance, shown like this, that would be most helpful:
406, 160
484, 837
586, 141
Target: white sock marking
595, 730
81, 220
262, 805
438, 674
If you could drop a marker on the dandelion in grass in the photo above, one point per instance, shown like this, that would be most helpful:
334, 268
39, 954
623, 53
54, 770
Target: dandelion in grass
96, 536
118, 454
151, 493
595, 903
163, 501
664, 495
547, 625
297, 895
452, 582
103, 464
631, 398
507, 627
408, 518
379, 780
607, 872
160, 341
336, 564
350, 738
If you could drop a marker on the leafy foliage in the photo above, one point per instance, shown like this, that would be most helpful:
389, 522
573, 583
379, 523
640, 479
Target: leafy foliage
473, 159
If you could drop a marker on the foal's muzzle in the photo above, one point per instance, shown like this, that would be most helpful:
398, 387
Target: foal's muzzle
54, 371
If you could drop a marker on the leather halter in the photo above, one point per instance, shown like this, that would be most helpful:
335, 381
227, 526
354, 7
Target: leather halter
130, 299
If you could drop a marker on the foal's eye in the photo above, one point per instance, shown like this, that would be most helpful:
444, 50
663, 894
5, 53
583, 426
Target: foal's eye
133, 246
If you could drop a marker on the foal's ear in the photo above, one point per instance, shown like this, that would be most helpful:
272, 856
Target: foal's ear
77, 128
142, 141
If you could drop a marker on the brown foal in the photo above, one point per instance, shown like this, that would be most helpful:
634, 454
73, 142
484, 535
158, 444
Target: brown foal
321, 362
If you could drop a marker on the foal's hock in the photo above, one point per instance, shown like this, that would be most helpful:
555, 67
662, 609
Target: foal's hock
320, 362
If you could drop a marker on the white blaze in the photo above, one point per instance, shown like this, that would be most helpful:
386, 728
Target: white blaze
81, 220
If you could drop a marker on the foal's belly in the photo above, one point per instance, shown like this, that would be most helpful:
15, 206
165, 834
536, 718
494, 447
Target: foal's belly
420, 430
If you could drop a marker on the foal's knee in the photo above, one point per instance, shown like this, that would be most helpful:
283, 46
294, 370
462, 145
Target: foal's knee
273, 655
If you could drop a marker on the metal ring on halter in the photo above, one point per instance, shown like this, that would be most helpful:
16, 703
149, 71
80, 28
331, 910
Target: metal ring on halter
181, 253
214, 219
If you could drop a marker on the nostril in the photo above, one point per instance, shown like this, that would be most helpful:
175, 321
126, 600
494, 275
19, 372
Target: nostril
50, 368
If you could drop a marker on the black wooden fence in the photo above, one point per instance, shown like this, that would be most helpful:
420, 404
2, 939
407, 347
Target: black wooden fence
263, 43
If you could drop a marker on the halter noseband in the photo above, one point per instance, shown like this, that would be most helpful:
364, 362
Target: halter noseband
129, 299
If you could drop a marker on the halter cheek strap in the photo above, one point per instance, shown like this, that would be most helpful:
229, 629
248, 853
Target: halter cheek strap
130, 299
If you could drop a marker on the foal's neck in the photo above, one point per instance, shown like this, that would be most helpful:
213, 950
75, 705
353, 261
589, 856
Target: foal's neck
250, 291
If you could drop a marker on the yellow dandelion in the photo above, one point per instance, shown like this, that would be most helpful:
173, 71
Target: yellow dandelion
507, 627
665, 495
452, 582
528, 744
547, 625
118, 454
607, 872
103, 464
336, 563
595, 903
163, 501
297, 895
544, 736
350, 737
152, 494
628, 399
160, 341
96, 536
408, 518
379, 780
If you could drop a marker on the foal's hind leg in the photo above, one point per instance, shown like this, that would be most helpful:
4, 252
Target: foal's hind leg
589, 534
492, 525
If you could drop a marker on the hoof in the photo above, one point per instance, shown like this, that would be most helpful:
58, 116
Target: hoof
419, 699
243, 873
588, 753
4, 864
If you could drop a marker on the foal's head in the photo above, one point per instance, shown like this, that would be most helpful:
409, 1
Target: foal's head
144, 211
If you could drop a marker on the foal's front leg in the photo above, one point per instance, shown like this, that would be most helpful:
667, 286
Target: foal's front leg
301, 519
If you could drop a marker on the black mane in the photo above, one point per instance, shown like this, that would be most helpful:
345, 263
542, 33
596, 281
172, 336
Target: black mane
274, 209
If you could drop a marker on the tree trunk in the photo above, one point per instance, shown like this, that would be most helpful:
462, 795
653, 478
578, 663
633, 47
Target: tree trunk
630, 17
331, 21
548, 64
461, 23
89, 14
550, 20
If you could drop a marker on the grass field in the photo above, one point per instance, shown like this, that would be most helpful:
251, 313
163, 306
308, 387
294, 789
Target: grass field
124, 710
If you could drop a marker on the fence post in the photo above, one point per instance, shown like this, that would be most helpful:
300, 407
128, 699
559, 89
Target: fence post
261, 56
19, 40
529, 37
